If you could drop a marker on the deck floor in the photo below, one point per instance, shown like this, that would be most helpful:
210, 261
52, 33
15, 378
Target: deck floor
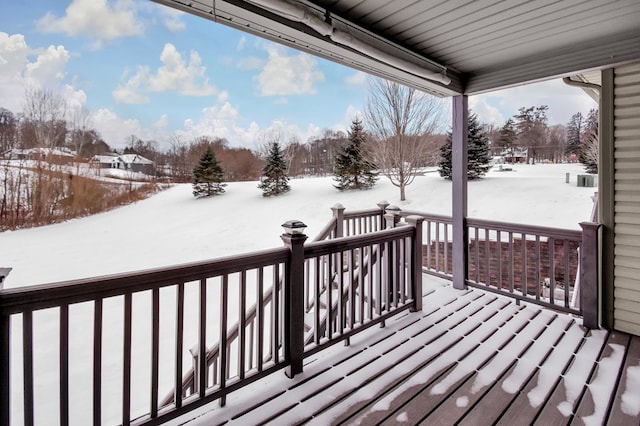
469, 358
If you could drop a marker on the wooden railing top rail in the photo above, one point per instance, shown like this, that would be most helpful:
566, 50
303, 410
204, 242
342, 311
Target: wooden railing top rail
427, 216
14, 300
326, 231
321, 248
571, 234
354, 214
516, 228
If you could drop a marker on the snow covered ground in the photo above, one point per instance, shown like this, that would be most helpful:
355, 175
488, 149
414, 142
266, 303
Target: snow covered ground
173, 227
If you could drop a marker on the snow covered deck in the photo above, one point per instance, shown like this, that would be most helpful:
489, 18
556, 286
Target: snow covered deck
470, 357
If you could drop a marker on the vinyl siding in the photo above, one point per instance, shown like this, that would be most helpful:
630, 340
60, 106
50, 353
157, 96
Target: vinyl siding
627, 199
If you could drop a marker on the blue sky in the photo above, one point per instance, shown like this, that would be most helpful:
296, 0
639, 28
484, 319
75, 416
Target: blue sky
146, 70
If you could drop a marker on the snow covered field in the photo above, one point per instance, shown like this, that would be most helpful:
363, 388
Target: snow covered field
173, 227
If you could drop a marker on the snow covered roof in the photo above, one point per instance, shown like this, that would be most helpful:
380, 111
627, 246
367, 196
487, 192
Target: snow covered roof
134, 159
124, 158
103, 158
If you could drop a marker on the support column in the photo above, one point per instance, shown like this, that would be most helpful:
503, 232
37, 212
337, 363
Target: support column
459, 196
606, 190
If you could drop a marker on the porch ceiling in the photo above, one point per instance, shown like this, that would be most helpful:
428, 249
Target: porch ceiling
484, 44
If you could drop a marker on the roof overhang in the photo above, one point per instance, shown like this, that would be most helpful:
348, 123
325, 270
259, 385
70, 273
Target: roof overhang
479, 46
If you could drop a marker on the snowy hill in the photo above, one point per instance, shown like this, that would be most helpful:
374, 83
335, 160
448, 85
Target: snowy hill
173, 227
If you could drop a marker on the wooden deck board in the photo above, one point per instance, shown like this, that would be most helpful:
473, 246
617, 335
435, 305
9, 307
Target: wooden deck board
472, 359
425, 346
562, 404
484, 387
331, 386
522, 405
617, 415
597, 403
431, 401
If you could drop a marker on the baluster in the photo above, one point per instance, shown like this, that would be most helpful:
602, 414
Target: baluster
126, 356
27, 366
202, 342
97, 362
260, 304
155, 350
242, 321
224, 313
64, 364
179, 344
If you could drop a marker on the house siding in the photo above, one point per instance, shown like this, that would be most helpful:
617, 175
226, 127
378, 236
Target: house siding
626, 267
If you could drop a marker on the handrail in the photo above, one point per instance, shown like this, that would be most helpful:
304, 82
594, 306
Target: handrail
321, 248
50, 295
522, 228
326, 231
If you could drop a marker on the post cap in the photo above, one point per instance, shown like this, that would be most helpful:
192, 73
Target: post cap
294, 227
394, 210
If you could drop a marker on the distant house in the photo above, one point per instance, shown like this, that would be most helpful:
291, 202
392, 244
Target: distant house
515, 155
131, 162
50, 155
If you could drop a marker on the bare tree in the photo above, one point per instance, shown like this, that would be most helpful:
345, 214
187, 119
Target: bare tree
45, 110
400, 119
80, 123
8, 130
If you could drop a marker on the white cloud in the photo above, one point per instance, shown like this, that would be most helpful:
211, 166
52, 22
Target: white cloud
172, 19
162, 123
285, 74
241, 43
113, 129
350, 114
358, 78
49, 68
563, 100
22, 66
250, 63
223, 96
180, 76
130, 92
99, 20
174, 75
487, 114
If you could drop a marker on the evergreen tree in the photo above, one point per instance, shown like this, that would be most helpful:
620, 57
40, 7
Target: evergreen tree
508, 135
531, 125
275, 180
589, 143
351, 170
477, 152
575, 134
207, 175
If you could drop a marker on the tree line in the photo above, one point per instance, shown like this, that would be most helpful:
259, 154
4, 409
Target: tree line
400, 133
527, 136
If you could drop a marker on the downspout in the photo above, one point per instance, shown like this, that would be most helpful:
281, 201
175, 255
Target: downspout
605, 169
581, 84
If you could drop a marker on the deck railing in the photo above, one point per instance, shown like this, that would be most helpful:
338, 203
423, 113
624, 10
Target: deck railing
552, 267
111, 346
